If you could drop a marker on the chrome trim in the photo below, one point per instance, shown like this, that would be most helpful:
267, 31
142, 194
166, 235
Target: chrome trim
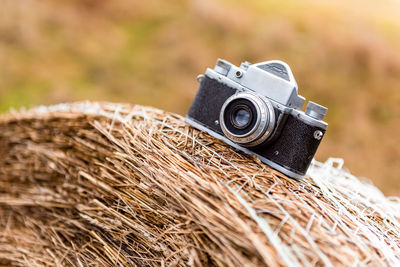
309, 120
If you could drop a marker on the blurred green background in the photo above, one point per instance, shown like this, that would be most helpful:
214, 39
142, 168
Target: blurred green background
344, 55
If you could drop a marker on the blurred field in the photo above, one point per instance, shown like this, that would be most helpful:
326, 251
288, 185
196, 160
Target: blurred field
345, 55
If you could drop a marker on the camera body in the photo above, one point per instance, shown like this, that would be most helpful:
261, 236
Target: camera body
256, 109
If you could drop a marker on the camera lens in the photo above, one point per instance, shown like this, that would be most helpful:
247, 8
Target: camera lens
247, 119
241, 116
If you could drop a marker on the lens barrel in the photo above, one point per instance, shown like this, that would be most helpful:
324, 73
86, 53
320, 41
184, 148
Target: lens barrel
247, 119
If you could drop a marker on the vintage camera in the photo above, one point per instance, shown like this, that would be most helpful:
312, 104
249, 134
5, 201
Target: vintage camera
256, 109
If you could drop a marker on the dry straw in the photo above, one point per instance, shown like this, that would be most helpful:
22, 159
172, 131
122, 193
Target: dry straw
90, 184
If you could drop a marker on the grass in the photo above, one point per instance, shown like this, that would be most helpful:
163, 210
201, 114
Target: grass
88, 184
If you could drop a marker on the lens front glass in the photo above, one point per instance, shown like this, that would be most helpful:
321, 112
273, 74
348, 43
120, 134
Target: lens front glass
241, 116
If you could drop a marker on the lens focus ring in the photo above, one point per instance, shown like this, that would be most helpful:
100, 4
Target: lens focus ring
255, 122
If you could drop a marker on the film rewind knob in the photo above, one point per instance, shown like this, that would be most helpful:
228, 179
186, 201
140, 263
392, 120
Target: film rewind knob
316, 111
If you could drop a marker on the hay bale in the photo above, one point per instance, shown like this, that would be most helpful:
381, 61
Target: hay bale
90, 184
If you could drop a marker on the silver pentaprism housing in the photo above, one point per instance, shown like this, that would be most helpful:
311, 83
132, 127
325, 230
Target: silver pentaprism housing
247, 119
